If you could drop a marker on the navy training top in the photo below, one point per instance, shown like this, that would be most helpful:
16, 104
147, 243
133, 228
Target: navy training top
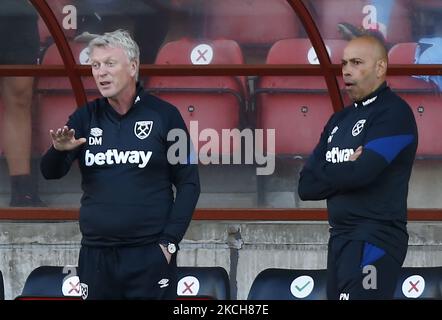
127, 179
366, 198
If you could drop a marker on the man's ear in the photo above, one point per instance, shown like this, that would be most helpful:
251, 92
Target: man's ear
133, 67
381, 68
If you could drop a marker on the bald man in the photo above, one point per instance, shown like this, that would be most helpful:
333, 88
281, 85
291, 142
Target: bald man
362, 166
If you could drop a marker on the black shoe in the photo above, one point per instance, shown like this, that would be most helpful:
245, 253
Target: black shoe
349, 31
27, 201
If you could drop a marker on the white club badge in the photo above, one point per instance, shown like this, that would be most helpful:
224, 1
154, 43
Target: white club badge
358, 127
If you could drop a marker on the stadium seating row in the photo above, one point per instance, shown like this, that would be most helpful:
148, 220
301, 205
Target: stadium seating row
56, 282
242, 20
297, 107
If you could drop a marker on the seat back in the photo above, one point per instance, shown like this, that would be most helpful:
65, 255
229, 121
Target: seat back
1, 123
364, 13
297, 107
55, 97
252, 22
423, 98
57, 8
203, 283
2, 287
52, 283
289, 284
213, 102
419, 283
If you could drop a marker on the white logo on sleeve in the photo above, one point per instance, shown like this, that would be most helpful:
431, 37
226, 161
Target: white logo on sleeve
413, 286
358, 127
142, 129
188, 286
302, 286
330, 137
202, 54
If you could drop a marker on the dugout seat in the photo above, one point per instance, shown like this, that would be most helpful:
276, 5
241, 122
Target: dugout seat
1, 119
52, 283
57, 8
211, 283
422, 96
363, 13
252, 22
289, 284
297, 107
58, 282
419, 283
2, 287
215, 102
55, 97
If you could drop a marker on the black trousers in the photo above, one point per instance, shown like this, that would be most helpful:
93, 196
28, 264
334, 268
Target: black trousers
140, 272
358, 270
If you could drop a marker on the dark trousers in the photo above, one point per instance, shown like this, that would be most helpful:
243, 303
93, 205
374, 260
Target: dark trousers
358, 270
140, 272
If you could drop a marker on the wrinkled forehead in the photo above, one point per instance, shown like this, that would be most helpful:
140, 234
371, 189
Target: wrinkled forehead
105, 52
357, 49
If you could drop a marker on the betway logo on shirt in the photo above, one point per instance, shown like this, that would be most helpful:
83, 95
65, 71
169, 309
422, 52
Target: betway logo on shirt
336, 155
113, 156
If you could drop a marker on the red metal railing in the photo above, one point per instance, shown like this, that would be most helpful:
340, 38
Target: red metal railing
74, 72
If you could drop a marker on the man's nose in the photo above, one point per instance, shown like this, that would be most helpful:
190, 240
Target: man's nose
102, 71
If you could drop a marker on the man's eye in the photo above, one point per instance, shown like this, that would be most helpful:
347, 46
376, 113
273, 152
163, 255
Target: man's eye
95, 65
110, 64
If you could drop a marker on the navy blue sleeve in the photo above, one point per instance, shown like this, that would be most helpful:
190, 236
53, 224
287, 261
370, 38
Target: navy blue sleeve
390, 133
310, 187
56, 164
185, 178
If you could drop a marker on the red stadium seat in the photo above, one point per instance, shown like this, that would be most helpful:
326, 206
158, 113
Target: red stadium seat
423, 97
362, 13
56, 99
297, 107
216, 102
57, 8
251, 22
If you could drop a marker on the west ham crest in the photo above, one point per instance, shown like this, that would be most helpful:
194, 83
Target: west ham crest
142, 129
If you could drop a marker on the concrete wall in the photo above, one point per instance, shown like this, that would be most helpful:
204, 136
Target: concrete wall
242, 248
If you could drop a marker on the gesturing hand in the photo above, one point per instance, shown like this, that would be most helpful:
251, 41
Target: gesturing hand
357, 153
64, 139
